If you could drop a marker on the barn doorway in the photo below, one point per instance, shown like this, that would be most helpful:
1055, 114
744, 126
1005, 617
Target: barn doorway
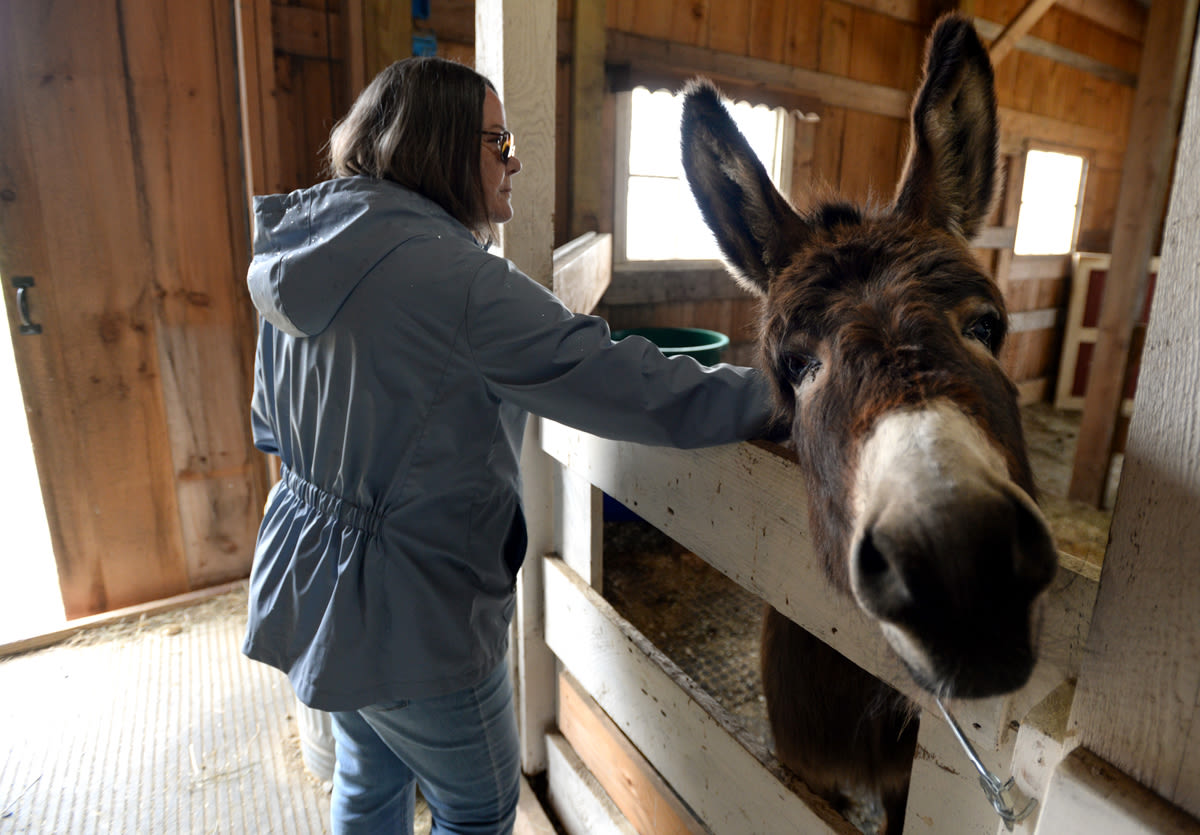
32, 601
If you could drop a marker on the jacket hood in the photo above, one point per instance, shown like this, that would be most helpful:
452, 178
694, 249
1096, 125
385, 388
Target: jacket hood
313, 246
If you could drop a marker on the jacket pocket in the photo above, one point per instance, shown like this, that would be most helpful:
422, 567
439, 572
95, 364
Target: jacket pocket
516, 541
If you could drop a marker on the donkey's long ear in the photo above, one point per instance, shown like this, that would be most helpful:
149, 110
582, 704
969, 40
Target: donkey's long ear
950, 177
754, 225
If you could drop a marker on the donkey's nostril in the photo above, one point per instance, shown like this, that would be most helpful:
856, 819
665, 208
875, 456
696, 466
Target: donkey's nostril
878, 582
871, 562
1035, 555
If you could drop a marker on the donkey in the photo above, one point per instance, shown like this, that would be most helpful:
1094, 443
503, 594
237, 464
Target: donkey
881, 335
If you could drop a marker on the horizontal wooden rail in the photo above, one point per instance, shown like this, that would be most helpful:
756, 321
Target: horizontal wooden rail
636, 788
728, 780
742, 509
582, 270
653, 59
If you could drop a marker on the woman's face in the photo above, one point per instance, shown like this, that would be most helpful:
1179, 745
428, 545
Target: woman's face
496, 174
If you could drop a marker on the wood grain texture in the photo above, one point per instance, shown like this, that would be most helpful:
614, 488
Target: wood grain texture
1016, 28
518, 56
256, 80
633, 784
386, 34
651, 54
586, 100
96, 357
1138, 700
1010, 212
1125, 16
150, 483
742, 509
886, 51
1088, 796
582, 804
944, 795
219, 479
1062, 55
1170, 35
726, 778
583, 271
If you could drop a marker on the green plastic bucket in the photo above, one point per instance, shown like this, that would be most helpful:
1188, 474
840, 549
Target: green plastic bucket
705, 346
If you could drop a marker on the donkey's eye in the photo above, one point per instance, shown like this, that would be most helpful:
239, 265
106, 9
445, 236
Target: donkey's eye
986, 330
797, 366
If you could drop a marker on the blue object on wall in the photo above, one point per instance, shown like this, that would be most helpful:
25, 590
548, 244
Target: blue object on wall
424, 45
420, 9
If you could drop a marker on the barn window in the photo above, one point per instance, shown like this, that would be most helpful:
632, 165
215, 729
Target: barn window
1050, 197
657, 218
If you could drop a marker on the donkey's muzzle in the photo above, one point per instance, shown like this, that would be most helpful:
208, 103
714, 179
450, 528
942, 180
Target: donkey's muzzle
950, 556
957, 589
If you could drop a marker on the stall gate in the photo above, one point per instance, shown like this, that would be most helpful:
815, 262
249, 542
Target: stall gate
671, 758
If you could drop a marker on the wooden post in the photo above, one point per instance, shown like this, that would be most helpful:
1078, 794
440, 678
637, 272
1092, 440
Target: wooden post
1137, 703
386, 35
1152, 136
515, 47
582, 272
1087, 796
352, 33
377, 32
1014, 182
256, 79
587, 100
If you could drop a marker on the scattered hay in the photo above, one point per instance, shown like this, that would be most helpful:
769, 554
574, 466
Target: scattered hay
230, 605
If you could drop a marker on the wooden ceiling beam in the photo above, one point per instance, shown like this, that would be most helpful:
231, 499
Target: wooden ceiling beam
1017, 28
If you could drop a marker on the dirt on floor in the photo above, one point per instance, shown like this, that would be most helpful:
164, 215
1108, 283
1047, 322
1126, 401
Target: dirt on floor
1079, 529
704, 622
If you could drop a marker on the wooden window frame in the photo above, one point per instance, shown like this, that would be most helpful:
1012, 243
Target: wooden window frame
783, 162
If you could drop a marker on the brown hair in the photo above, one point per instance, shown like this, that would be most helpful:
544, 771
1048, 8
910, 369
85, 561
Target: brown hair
418, 123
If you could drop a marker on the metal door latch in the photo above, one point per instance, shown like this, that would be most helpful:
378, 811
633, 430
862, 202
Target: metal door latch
22, 283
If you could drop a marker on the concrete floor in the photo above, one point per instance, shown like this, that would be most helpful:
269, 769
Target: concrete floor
160, 725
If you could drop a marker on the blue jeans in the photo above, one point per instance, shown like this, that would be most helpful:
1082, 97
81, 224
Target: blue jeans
461, 748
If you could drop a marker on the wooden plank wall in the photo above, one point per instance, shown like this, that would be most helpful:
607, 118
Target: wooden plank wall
1067, 86
302, 64
1138, 700
123, 197
311, 85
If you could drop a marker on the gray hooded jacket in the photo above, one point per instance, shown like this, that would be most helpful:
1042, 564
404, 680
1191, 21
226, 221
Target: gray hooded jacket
396, 363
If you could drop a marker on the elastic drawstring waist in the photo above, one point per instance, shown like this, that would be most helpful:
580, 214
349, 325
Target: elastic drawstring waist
327, 504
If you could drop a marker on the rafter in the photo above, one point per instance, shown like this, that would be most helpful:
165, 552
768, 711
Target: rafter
1017, 27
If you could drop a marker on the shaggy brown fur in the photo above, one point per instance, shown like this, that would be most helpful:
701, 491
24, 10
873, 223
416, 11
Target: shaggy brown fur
866, 314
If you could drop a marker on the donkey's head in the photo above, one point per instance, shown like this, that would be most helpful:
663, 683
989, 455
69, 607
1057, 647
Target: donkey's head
881, 335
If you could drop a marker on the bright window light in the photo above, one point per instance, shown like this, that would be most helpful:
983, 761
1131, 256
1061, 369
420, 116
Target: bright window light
1049, 203
662, 221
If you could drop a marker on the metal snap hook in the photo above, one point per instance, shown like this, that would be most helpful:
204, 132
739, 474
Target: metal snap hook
993, 788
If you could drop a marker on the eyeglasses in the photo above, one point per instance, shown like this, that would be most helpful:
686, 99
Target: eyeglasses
504, 141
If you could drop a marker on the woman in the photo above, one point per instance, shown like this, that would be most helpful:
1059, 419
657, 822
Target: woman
396, 363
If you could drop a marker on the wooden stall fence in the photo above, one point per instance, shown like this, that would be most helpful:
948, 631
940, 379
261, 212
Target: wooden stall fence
742, 509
